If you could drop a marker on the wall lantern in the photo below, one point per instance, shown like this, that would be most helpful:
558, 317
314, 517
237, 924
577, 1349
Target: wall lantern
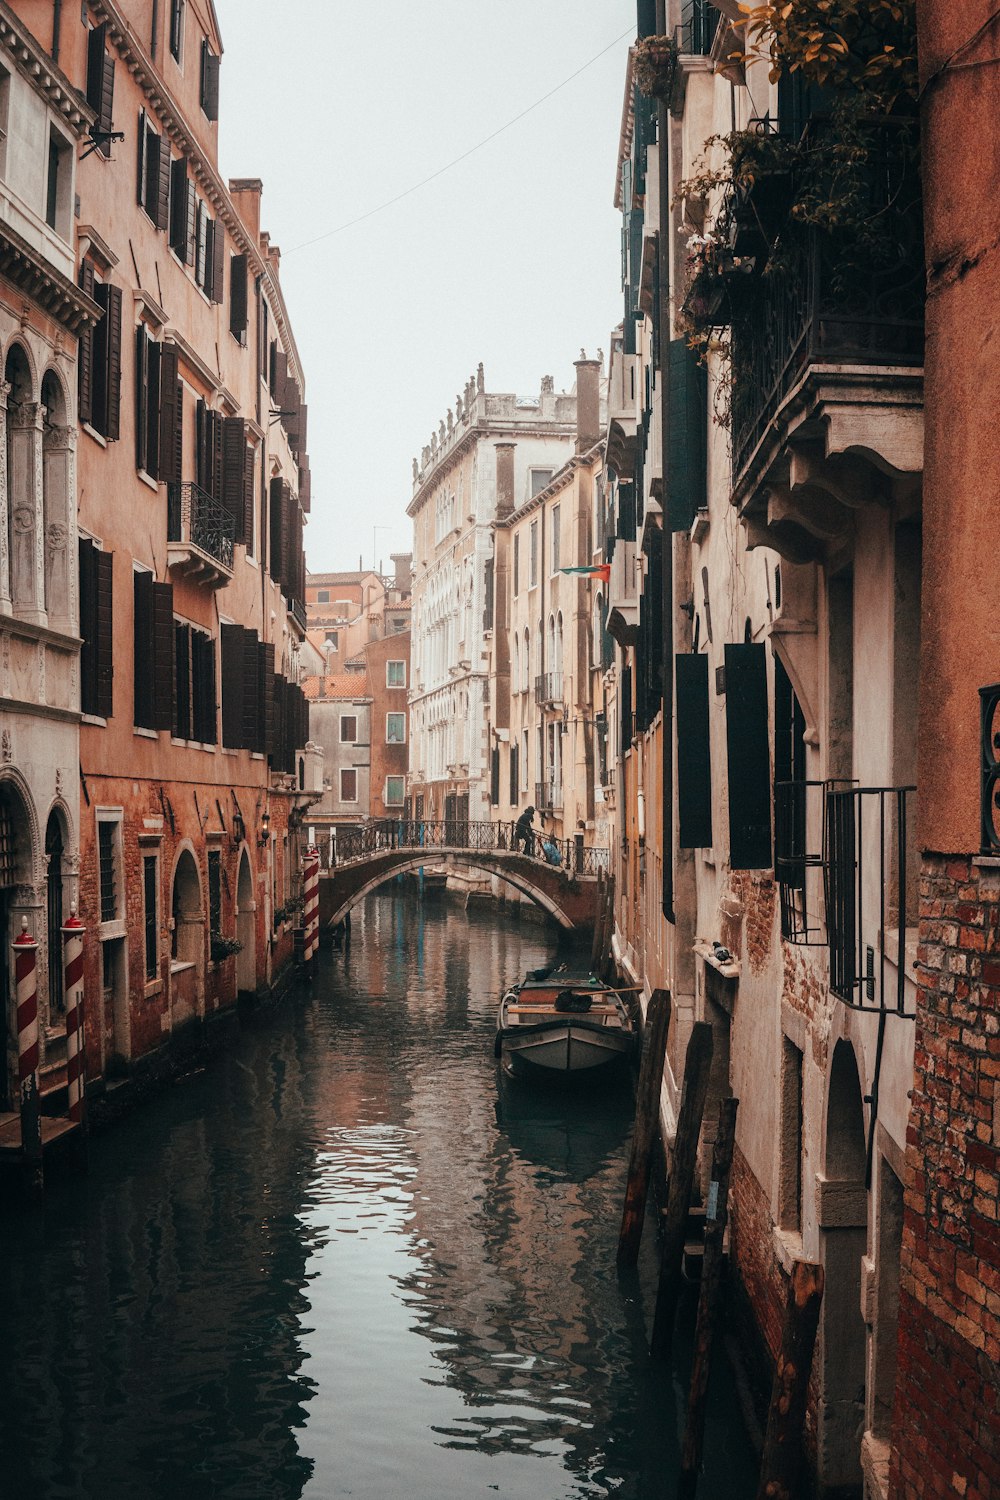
264, 837
239, 829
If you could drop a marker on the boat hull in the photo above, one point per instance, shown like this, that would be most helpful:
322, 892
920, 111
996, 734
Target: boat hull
564, 1046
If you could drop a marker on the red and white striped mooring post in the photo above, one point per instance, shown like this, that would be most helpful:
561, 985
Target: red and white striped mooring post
311, 912
26, 990
76, 1074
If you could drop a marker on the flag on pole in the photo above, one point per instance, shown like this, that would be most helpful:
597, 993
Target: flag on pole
598, 570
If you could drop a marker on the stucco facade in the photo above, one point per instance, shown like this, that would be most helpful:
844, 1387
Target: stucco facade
192, 771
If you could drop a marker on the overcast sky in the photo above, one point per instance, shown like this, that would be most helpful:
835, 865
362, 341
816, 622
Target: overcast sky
511, 257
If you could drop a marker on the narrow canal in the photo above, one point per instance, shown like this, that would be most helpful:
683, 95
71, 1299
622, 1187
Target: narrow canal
341, 1261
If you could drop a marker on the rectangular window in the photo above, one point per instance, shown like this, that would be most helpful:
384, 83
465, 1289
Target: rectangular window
214, 891
149, 883
177, 30
516, 569
147, 402
348, 785
183, 212
395, 674
100, 358
107, 860
555, 539
395, 729
204, 709
238, 300
57, 189
153, 642
101, 85
524, 760
394, 791
348, 729
322, 596
533, 565
332, 640
154, 172
539, 479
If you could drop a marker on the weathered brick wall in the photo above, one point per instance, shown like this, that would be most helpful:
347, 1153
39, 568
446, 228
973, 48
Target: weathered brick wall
946, 1425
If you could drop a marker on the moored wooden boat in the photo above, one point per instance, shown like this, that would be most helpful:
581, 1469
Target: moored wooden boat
559, 1024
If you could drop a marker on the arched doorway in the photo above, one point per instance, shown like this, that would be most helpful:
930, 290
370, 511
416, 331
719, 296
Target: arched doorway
54, 876
187, 951
844, 1242
246, 909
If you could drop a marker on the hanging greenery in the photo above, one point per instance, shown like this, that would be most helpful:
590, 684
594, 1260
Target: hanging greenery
868, 47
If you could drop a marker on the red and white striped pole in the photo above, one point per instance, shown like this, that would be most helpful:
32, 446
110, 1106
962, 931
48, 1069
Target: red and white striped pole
26, 990
76, 1072
311, 913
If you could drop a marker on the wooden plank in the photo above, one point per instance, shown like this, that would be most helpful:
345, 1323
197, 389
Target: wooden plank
647, 1116
697, 1063
782, 1456
717, 1212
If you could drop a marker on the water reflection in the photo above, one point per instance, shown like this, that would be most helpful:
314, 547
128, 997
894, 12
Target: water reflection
342, 1262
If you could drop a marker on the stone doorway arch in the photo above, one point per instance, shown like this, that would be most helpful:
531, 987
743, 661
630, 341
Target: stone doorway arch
187, 947
246, 928
843, 1221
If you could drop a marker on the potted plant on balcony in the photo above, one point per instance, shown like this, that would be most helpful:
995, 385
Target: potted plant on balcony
655, 66
222, 948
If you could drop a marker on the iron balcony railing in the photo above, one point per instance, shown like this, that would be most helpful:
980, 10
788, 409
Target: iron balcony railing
347, 845
696, 33
194, 516
819, 303
798, 811
549, 687
297, 610
548, 794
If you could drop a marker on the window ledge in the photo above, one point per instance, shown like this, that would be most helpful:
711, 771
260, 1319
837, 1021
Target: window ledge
92, 431
788, 1248
145, 734
148, 480
153, 988
177, 967
95, 720
730, 970
114, 929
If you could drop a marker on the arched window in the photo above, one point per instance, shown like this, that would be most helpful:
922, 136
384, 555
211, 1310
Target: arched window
57, 509
23, 520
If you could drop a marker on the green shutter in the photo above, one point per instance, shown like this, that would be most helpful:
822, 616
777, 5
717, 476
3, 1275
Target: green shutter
687, 437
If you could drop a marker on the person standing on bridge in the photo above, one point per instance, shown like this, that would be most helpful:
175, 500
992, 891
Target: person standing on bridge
524, 834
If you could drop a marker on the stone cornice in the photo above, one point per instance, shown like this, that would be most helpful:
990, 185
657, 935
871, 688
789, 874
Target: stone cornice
45, 77
486, 431
25, 268
136, 58
625, 133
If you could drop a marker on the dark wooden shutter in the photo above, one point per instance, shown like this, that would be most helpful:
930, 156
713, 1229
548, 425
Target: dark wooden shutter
141, 135
105, 634
748, 758
142, 644
99, 362
178, 235
101, 81
495, 776
276, 748
687, 440
626, 711
215, 246
232, 686
163, 655
204, 693
274, 561
305, 487
191, 225
694, 759
514, 786
215, 420
210, 65
234, 449
112, 430
265, 696
85, 352
160, 210
201, 445
249, 492
153, 358
170, 415
141, 397
88, 626
280, 378
251, 690
238, 309
182, 682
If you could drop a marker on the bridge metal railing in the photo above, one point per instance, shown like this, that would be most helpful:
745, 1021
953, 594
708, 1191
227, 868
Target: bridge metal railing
346, 846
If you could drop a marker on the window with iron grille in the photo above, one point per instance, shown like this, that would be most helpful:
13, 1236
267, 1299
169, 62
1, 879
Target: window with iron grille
6, 846
395, 674
149, 887
348, 729
107, 852
394, 788
348, 785
177, 29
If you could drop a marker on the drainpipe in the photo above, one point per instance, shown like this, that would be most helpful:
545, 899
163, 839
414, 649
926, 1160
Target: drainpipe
56, 24
640, 795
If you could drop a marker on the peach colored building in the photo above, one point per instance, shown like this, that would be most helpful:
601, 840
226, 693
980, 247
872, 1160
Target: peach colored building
193, 488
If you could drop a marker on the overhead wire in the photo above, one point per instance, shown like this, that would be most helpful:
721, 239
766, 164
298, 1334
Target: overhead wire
432, 176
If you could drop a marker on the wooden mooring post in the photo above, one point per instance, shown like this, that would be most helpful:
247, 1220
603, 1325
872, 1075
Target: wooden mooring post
647, 1115
716, 1214
697, 1063
595, 947
782, 1456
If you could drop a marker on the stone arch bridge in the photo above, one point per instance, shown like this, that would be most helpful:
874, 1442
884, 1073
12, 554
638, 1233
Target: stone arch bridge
357, 860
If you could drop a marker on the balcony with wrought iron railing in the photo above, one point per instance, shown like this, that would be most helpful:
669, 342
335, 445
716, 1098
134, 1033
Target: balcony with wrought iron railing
200, 535
297, 610
826, 299
549, 687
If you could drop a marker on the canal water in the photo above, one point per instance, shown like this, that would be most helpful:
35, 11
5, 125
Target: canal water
344, 1260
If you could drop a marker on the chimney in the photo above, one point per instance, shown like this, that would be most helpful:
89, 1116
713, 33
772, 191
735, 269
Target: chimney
588, 402
402, 563
505, 480
246, 193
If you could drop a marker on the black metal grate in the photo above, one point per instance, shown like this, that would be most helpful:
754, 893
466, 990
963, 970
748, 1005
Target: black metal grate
6, 846
108, 872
